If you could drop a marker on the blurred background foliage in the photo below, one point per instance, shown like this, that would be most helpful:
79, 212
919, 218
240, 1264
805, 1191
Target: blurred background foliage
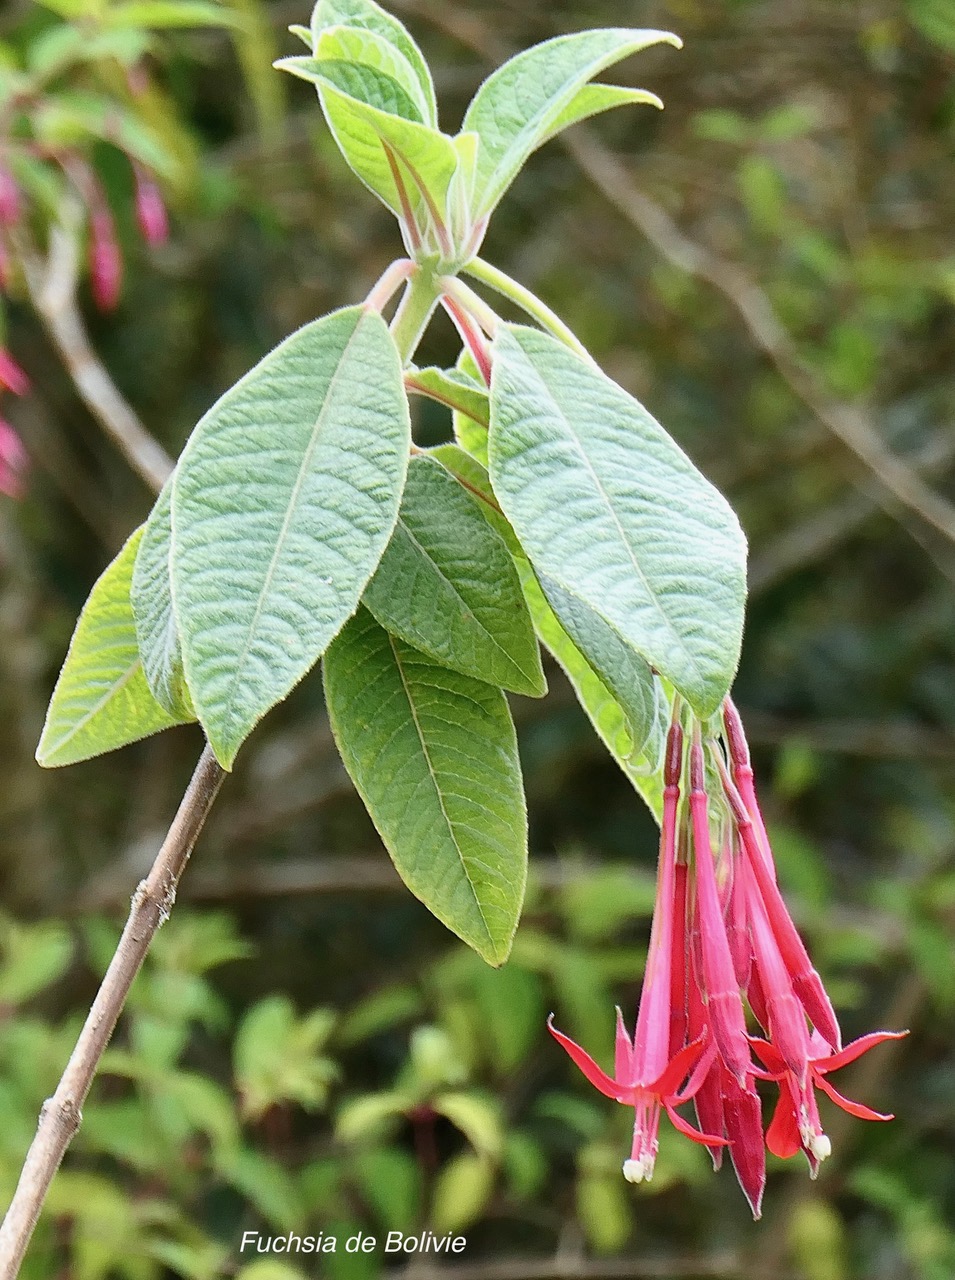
769, 266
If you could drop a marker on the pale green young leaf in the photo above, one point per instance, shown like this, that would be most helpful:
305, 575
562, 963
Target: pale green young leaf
515, 109
433, 755
366, 85
368, 49
454, 388
283, 502
368, 16
607, 505
447, 585
101, 700
366, 133
151, 597
470, 431
595, 99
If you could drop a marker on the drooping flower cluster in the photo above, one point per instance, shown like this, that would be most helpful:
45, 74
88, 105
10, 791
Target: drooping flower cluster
724, 947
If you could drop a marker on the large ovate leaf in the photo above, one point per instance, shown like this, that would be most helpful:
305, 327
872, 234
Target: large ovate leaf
365, 15
613, 724
641, 765
433, 755
284, 500
517, 108
101, 700
607, 505
447, 585
151, 597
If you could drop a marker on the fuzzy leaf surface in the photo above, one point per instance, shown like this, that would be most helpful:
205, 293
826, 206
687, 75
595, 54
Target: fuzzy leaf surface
283, 502
151, 597
517, 108
611, 722
365, 15
447, 585
433, 754
101, 700
607, 505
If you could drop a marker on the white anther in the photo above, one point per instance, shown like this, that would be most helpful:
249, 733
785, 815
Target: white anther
639, 1170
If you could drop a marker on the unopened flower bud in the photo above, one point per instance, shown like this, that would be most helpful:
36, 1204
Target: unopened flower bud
11, 375
106, 264
150, 210
9, 198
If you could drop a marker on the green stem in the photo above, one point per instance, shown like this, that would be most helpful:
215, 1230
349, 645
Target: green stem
528, 302
414, 311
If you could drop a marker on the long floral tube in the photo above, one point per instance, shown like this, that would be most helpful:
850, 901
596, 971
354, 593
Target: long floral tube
723, 942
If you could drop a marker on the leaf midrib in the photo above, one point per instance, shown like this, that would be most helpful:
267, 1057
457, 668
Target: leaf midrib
286, 524
641, 573
437, 789
470, 608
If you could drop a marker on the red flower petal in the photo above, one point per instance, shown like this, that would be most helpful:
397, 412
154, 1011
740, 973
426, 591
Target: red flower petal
855, 1050
598, 1078
684, 1127
782, 1136
853, 1108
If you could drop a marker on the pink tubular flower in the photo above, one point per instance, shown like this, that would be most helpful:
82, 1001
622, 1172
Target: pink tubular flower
722, 935
647, 1076
795, 1124
106, 263
9, 198
13, 461
12, 376
150, 209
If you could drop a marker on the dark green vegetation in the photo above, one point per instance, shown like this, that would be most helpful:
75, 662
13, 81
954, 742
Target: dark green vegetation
768, 266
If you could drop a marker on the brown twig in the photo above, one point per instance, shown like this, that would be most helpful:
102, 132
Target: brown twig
52, 284
62, 1114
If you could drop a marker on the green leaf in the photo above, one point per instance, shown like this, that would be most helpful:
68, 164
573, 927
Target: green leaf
433, 755
151, 597
603, 710
462, 1190
368, 86
454, 388
278, 1058
447, 585
368, 49
609, 507
520, 105
367, 16
594, 99
169, 13
283, 502
622, 670
101, 700
366, 132
470, 431
477, 1117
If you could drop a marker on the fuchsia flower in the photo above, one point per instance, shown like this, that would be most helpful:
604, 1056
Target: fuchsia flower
106, 263
13, 456
150, 209
647, 1076
722, 939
